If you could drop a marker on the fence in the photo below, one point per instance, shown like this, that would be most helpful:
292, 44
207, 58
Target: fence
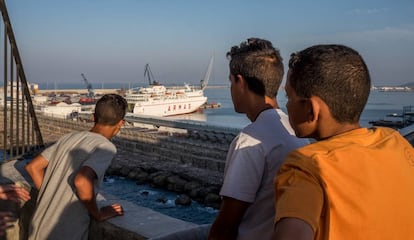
20, 132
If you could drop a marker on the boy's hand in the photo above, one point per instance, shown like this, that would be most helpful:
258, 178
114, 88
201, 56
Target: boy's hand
110, 211
13, 193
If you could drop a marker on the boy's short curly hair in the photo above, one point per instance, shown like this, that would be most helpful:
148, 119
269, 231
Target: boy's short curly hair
110, 109
259, 63
335, 73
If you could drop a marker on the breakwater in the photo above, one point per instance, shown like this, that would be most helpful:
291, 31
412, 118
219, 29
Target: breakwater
189, 162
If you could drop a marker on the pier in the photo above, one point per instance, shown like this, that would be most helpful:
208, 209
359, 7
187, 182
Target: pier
76, 91
397, 121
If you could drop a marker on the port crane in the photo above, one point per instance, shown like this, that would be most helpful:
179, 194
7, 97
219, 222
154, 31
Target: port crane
148, 73
88, 86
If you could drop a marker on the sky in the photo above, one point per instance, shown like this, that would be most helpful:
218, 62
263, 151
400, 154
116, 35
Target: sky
110, 41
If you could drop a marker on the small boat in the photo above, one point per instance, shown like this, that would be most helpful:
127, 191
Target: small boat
395, 120
211, 105
85, 100
159, 100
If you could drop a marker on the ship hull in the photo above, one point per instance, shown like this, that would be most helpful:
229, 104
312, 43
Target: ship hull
169, 107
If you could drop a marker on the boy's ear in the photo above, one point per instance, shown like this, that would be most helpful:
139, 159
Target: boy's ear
121, 123
241, 81
313, 109
239, 77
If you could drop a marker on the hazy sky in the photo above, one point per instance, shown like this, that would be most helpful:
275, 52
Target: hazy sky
112, 40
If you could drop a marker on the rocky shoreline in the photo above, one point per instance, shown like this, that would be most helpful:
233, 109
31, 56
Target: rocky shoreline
188, 187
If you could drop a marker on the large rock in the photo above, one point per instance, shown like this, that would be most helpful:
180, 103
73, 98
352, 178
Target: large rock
142, 177
159, 179
176, 184
183, 200
212, 200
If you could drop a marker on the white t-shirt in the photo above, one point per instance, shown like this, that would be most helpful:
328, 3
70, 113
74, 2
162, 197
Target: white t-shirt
253, 159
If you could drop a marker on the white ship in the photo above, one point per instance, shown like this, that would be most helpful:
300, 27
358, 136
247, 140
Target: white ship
158, 100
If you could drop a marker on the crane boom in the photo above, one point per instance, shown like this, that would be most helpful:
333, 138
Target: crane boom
148, 73
88, 86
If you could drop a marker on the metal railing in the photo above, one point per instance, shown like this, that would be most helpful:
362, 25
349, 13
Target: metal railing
20, 133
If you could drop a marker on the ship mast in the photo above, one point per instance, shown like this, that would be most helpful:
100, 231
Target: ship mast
204, 82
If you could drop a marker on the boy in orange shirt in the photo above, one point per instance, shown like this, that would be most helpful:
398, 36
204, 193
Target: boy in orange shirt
354, 182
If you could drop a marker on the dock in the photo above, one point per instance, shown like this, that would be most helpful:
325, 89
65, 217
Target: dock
210, 105
76, 91
397, 121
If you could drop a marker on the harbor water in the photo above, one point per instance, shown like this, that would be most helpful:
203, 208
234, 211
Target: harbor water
158, 199
378, 106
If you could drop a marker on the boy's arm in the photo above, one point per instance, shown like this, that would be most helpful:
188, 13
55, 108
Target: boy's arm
36, 169
85, 190
292, 229
299, 198
227, 223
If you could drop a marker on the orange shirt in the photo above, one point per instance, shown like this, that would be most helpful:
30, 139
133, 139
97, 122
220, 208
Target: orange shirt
356, 185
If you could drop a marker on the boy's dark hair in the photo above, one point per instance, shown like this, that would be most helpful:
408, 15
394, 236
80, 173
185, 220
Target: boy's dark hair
335, 73
110, 109
259, 63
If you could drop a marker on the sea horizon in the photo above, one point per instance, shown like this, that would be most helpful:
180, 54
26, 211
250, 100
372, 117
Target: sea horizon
118, 85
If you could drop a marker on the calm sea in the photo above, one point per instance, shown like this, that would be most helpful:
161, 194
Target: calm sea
379, 105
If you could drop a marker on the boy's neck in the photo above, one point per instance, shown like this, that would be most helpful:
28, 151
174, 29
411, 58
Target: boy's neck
334, 129
258, 106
